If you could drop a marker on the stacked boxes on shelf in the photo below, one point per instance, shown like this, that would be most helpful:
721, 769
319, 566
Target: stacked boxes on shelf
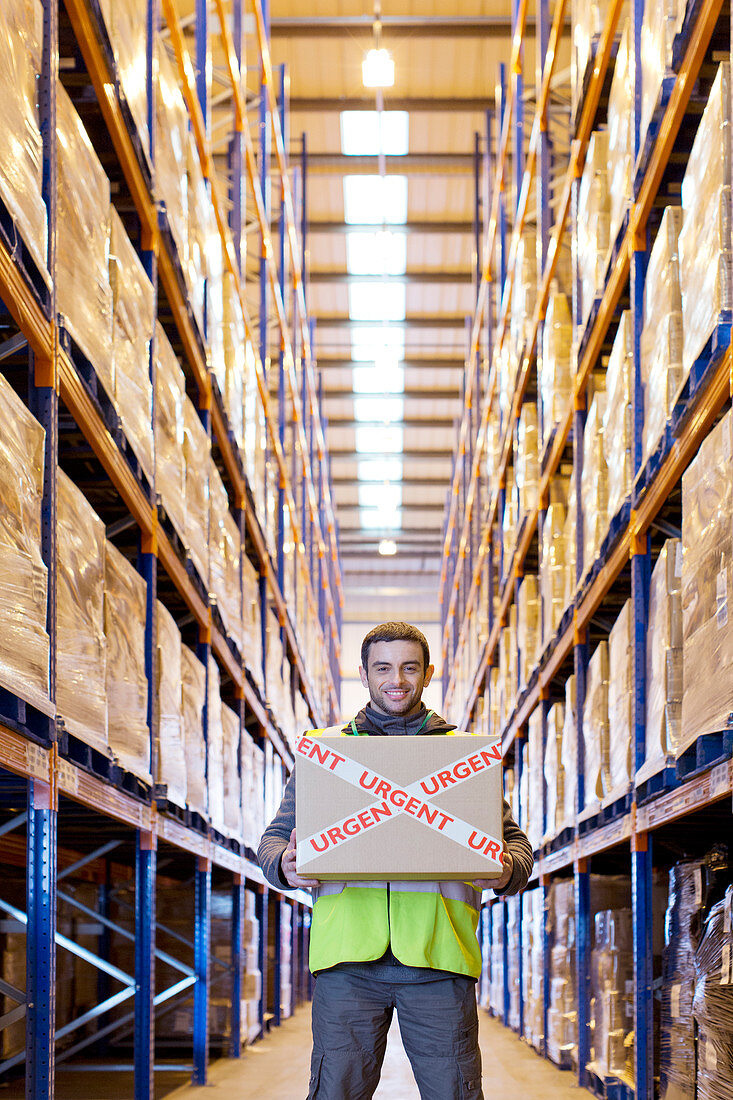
554, 372
660, 25
594, 482
526, 460
620, 137
253, 792
197, 454
618, 425
554, 771
171, 161
587, 23
534, 764
595, 728
612, 1009
123, 19
712, 1005
562, 1014
533, 974
496, 987
193, 699
170, 463
513, 962
528, 629
663, 660
125, 599
252, 981
170, 740
617, 777
593, 223
286, 961
568, 808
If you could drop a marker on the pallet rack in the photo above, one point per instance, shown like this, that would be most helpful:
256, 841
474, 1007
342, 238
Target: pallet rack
56, 804
635, 834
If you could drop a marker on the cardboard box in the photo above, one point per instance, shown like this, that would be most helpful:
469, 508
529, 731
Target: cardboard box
386, 808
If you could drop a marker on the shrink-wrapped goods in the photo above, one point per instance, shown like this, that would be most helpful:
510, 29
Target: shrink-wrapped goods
595, 727
508, 667
593, 223
569, 756
555, 367
524, 292
215, 747
507, 368
712, 1005
494, 703
255, 433
535, 823
200, 226
493, 443
526, 460
528, 629
554, 771
171, 160
707, 563
253, 793
125, 600
232, 815
661, 335
594, 483
533, 976
618, 417
562, 1014
509, 524
170, 462
663, 660
21, 151
133, 322
620, 136
694, 885
661, 23
171, 734
234, 338
225, 545
197, 453
612, 982
193, 701
553, 568
704, 241
587, 21
83, 293
512, 934
496, 987
571, 542
124, 20
81, 648
620, 704
24, 643
215, 310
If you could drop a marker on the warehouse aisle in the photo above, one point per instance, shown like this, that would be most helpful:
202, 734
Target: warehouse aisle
277, 1069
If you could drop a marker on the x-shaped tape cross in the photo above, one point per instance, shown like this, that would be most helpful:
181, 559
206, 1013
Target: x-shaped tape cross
398, 800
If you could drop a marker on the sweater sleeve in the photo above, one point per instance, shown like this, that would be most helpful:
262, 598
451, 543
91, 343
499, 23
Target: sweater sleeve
276, 836
521, 853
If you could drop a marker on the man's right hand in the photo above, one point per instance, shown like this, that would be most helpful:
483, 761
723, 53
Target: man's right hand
287, 865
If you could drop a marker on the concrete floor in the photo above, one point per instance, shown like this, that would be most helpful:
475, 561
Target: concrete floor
277, 1068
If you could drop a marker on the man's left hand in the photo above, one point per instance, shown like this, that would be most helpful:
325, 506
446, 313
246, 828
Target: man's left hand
503, 881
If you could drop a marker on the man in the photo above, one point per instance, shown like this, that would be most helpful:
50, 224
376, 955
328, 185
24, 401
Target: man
377, 946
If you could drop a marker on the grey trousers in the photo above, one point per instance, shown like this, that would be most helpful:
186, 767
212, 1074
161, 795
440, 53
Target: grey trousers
438, 1023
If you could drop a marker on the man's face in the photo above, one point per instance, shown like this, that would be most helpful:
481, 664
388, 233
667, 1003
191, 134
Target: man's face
395, 677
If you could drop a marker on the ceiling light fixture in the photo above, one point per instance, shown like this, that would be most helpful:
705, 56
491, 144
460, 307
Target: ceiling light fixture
377, 68
387, 548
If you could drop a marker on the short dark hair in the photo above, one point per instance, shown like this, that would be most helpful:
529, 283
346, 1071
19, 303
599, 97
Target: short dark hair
394, 632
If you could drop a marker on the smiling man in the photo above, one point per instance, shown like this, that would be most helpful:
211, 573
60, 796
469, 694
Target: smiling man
357, 990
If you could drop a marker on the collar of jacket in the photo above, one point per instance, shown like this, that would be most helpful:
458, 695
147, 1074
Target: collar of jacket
373, 722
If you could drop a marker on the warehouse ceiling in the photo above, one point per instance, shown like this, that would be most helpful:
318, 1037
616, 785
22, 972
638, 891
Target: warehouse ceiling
391, 253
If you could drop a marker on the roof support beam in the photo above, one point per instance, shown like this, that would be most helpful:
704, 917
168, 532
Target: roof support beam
430, 422
414, 26
423, 228
441, 321
435, 164
409, 394
326, 363
415, 278
413, 104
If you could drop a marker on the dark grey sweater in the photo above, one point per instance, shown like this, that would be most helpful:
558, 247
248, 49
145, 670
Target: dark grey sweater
277, 834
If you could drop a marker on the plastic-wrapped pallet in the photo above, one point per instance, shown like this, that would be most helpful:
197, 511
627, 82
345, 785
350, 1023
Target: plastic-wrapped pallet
123, 19
704, 241
712, 1005
694, 885
620, 705
707, 562
133, 323
524, 291
528, 628
225, 546
125, 600
496, 988
569, 756
234, 344
171, 746
594, 482
555, 367
81, 647
553, 770
570, 539
612, 978
661, 23
507, 368
193, 699
595, 727
533, 976
593, 224
618, 425
512, 932
83, 293
253, 794
620, 136
587, 22
663, 660
21, 152
215, 310
535, 824
255, 433
252, 620
286, 961
553, 567
493, 443
509, 524
24, 643
494, 703
562, 1015
661, 336
526, 460
171, 161
215, 748
232, 816
197, 453
200, 226
170, 463
508, 667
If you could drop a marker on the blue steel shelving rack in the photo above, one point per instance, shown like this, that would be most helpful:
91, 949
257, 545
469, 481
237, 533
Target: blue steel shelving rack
33, 772
469, 568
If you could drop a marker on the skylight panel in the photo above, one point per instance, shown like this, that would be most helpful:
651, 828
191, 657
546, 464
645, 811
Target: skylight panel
379, 469
376, 519
385, 410
387, 497
377, 301
381, 253
370, 345
375, 200
385, 376
369, 133
379, 440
